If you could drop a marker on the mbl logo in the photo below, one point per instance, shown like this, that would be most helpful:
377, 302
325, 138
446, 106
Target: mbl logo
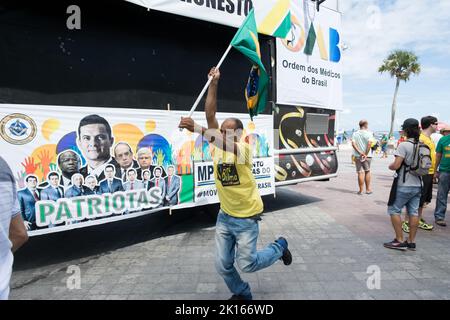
297, 40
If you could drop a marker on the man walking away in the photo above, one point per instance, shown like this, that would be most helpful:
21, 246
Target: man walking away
406, 189
361, 142
429, 126
443, 164
240, 202
13, 233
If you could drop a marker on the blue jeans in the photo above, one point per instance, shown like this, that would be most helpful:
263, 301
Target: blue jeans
237, 237
408, 197
442, 195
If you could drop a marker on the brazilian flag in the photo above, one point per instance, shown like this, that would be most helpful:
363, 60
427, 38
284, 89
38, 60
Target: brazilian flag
246, 42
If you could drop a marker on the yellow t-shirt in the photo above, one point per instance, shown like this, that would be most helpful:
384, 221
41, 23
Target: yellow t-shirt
235, 183
427, 141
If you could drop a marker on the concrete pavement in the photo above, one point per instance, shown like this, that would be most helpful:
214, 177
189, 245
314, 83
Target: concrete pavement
334, 236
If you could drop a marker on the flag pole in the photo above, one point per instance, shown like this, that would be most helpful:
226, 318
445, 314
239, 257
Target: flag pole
200, 96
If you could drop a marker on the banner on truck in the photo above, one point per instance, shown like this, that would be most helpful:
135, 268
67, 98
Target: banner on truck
80, 166
309, 64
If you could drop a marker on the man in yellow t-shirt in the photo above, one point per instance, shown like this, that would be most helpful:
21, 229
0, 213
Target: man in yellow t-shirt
429, 126
240, 202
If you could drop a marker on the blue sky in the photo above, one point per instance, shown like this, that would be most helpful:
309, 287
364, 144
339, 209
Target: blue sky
372, 29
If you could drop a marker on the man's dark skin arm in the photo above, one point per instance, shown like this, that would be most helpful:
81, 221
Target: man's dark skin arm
212, 134
211, 99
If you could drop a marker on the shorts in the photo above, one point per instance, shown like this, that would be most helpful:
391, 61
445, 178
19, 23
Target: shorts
408, 197
427, 189
362, 166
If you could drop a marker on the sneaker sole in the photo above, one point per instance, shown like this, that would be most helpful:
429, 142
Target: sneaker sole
287, 257
395, 248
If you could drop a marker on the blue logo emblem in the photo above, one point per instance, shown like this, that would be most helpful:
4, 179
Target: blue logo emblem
18, 128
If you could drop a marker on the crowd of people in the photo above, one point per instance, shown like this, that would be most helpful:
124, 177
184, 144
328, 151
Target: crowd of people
422, 159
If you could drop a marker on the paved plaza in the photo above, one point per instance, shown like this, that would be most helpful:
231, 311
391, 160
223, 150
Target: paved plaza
334, 236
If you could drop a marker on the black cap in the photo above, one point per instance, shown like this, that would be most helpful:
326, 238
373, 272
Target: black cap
410, 123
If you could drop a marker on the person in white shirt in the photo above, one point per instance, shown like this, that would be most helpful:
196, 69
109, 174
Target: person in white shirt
13, 233
361, 143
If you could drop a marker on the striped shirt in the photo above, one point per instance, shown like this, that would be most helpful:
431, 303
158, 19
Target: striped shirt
9, 208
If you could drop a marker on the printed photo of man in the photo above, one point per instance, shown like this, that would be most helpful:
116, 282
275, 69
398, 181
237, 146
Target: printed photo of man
77, 189
173, 186
145, 156
27, 199
124, 157
110, 184
95, 141
69, 162
145, 160
91, 186
146, 179
158, 182
53, 191
132, 183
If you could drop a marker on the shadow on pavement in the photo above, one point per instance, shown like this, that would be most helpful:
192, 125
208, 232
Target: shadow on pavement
98, 240
342, 190
287, 198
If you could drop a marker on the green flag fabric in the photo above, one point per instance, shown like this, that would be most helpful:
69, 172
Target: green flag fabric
246, 42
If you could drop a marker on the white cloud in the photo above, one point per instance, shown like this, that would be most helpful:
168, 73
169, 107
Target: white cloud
372, 29
435, 71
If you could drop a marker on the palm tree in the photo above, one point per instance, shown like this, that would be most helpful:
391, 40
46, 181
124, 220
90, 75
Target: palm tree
400, 64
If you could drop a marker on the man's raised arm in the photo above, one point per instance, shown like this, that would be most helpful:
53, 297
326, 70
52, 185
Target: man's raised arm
211, 99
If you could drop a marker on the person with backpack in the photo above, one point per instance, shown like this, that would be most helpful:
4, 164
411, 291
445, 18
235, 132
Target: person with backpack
429, 126
410, 164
